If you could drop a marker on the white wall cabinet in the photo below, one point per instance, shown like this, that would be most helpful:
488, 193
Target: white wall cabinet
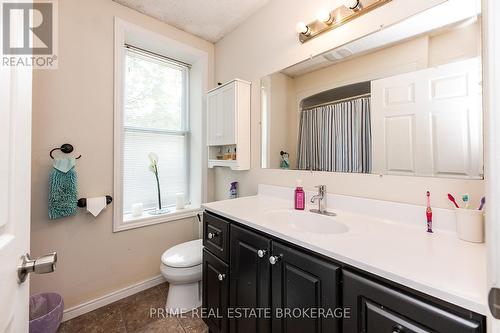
228, 124
429, 122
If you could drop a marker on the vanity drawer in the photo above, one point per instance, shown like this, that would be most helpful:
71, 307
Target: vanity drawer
380, 319
216, 235
378, 308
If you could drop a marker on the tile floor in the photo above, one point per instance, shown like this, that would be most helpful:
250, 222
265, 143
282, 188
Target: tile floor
132, 315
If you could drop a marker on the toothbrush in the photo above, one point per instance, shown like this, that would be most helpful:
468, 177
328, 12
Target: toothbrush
428, 212
452, 199
466, 200
483, 201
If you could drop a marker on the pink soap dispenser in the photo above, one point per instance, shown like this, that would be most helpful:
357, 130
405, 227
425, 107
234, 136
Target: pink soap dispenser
300, 196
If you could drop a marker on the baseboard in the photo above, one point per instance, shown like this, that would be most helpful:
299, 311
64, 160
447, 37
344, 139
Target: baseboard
117, 295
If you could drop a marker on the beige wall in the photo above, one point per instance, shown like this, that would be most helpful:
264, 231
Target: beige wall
75, 104
267, 43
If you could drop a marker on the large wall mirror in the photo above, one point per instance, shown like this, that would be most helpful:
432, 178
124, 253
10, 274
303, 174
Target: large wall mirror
405, 100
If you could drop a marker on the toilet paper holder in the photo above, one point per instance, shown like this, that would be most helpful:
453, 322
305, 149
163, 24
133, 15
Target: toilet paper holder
83, 201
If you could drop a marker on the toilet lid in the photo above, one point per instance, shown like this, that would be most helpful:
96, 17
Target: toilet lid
183, 255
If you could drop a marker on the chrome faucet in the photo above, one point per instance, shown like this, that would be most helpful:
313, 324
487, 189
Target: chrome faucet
321, 198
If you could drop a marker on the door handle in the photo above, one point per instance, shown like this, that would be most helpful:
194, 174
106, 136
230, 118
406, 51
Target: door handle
212, 235
494, 302
41, 265
221, 277
261, 253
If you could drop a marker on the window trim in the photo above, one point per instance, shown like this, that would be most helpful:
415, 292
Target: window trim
119, 218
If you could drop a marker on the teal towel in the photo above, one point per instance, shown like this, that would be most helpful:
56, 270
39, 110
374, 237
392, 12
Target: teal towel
63, 194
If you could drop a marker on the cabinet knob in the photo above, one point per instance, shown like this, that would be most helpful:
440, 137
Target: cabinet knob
397, 329
261, 253
221, 277
274, 259
212, 235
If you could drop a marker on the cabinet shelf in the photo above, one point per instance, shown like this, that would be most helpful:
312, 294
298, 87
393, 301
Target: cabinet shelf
233, 164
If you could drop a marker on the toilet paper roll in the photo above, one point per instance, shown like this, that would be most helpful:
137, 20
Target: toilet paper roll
96, 205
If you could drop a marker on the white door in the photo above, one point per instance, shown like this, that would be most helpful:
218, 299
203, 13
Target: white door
429, 122
15, 172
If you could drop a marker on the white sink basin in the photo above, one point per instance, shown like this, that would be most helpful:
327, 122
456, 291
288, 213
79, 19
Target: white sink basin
305, 221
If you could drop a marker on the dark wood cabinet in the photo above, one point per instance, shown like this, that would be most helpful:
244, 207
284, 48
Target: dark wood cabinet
302, 282
215, 292
250, 279
378, 308
244, 269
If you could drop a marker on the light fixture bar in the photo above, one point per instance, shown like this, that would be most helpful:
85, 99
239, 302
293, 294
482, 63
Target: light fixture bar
340, 16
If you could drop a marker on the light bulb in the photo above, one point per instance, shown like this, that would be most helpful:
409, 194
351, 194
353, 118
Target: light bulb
302, 28
351, 4
324, 15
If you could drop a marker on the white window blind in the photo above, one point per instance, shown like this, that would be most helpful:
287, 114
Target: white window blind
155, 120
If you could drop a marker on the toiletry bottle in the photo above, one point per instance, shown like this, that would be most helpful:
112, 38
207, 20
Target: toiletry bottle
233, 191
300, 196
234, 155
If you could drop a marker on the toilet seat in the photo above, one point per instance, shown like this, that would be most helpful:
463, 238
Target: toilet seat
184, 255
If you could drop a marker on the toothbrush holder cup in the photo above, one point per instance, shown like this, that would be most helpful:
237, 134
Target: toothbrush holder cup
470, 225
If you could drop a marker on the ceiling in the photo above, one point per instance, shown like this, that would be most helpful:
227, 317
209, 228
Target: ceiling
208, 19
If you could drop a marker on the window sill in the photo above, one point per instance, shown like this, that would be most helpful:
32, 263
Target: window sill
130, 222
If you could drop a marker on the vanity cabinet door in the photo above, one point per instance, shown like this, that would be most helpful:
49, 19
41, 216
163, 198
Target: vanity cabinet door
301, 282
250, 279
378, 308
215, 292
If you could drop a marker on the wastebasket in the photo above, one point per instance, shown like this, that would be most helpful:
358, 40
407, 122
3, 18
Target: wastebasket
46, 310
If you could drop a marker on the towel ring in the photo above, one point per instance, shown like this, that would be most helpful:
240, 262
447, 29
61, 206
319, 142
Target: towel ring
65, 148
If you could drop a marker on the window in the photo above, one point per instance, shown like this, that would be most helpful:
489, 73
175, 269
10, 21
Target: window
155, 119
159, 89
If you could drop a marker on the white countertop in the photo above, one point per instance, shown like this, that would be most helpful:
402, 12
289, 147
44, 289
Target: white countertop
437, 264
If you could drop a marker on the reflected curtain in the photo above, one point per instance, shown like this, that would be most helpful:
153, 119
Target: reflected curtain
336, 137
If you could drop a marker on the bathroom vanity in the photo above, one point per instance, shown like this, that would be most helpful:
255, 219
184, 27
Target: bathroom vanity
375, 275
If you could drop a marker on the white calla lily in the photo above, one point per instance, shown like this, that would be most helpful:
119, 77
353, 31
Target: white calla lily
153, 167
153, 158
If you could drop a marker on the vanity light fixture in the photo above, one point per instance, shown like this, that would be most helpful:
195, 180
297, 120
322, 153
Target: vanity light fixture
328, 20
352, 4
302, 29
324, 16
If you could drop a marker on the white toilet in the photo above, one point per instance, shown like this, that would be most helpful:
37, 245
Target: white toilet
181, 267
